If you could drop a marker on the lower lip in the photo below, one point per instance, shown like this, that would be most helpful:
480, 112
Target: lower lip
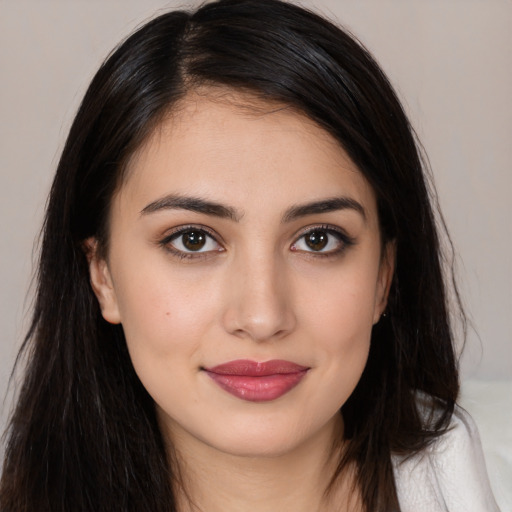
258, 389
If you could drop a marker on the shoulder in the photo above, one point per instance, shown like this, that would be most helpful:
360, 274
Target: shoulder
449, 475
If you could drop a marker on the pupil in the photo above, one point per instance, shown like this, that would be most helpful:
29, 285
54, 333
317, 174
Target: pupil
194, 240
317, 240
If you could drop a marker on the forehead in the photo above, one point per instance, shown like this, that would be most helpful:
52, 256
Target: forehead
238, 149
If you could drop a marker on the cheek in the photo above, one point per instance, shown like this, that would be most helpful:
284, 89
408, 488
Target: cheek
165, 314
165, 319
341, 309
340, 320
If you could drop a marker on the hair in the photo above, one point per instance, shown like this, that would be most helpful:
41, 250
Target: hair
84, 434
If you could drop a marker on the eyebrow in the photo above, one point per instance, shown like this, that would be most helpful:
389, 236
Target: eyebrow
199, 205
324, 206
194, 204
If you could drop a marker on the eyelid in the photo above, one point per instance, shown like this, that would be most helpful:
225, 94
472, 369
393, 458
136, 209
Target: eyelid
189, 227
175, 232
345, 239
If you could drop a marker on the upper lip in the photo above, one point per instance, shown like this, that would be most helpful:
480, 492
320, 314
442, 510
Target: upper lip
250, 368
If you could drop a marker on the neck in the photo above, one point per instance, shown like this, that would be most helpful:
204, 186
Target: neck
214, 481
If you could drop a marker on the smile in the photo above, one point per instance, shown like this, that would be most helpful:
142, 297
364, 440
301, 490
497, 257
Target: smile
257, 382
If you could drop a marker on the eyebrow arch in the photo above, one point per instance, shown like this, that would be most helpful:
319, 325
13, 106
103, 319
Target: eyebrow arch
324, 206
199, 205
194, 204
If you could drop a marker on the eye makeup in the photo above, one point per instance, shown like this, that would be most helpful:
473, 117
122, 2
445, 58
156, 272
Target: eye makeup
191, 241
324, 240
198, 242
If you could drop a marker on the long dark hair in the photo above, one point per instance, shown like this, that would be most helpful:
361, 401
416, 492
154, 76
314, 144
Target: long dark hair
84, 435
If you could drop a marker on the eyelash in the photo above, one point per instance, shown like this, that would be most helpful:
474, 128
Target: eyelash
175, 234
345, 241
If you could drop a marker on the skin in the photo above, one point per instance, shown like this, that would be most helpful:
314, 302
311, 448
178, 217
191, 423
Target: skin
255, 291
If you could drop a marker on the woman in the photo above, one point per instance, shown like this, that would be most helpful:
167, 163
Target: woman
239, 244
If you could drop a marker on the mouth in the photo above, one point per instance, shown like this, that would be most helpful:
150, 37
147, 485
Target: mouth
257, 381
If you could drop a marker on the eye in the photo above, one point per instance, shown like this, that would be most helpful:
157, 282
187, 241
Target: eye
324, 240
191, 240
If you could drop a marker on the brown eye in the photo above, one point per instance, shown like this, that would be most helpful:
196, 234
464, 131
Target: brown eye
323, 241
317, 240
194, 240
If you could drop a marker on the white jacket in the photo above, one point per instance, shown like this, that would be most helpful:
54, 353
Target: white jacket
449, 476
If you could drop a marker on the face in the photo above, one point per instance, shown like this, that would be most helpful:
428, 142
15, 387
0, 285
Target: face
246, 267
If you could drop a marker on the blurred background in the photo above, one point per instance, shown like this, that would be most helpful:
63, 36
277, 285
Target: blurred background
451, 63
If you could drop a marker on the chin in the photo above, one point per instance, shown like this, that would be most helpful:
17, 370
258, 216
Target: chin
258, 445
268, 437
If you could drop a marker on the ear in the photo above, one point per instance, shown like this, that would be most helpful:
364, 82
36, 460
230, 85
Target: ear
385, 278
101, 282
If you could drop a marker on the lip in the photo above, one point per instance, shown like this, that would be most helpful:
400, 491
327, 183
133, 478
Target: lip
257, 381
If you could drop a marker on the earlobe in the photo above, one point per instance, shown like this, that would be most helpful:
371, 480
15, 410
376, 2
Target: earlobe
386, 271
101, 282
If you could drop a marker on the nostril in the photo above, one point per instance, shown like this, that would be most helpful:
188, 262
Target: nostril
259, 328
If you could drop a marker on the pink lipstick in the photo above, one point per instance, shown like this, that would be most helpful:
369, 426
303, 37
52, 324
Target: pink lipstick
255, 381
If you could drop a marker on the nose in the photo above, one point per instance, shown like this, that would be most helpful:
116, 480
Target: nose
260, 300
